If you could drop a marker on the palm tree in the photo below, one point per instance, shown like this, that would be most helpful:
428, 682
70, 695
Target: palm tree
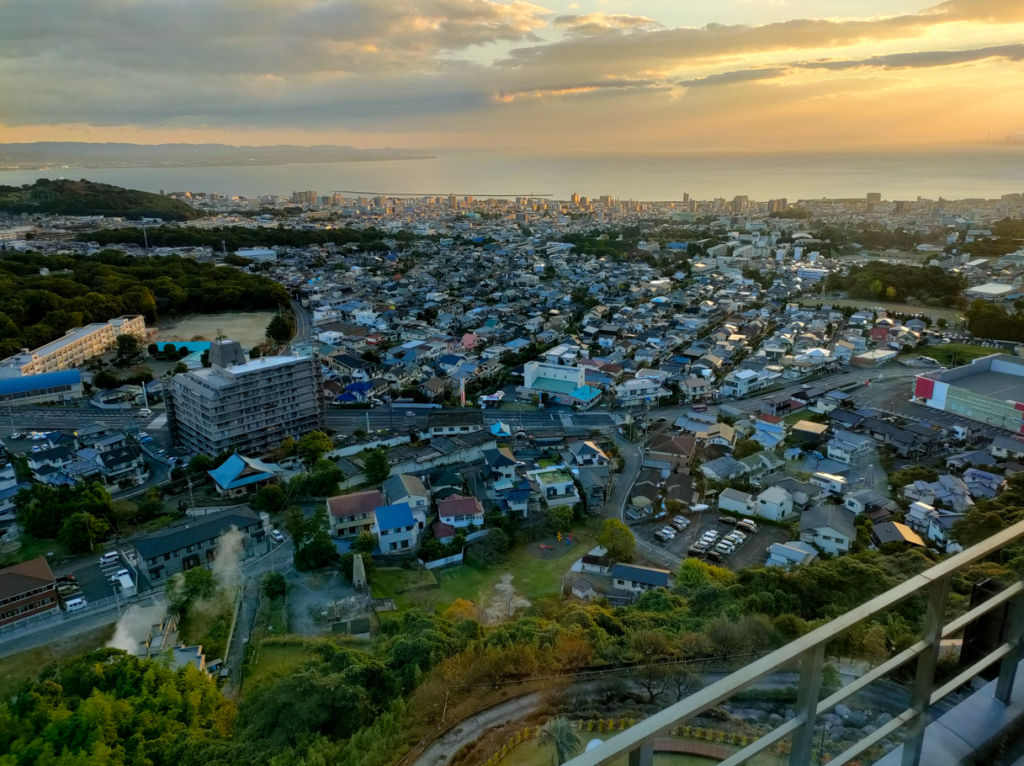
559, 732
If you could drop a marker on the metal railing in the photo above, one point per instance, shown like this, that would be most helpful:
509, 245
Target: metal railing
808, 654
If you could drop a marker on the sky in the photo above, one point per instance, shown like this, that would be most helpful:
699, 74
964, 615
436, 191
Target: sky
591, 76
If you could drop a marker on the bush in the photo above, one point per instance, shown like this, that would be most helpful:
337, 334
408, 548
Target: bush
274, 585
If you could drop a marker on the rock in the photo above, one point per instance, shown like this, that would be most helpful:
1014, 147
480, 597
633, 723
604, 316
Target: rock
883, 719
831, 719
790, 714
842, 711
837, 733
868, 730
774, 718
755, 715
886, 743
857, 719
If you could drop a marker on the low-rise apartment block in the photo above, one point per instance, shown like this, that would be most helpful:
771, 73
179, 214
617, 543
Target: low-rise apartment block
74, 349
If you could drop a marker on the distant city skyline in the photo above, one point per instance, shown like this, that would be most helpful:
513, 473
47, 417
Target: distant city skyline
594, 75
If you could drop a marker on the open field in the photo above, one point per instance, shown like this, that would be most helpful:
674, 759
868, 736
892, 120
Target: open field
521, 581
247, 329
24, 666
388, 582
953, 316
271, 659
956, 354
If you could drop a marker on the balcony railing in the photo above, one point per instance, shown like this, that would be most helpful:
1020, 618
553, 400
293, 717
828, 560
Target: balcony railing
808, 653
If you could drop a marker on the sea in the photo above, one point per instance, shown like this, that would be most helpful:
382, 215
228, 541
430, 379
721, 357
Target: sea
951, 172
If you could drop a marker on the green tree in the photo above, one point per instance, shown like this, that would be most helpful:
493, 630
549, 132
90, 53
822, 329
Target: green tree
279, 330
179, 368
271, 498
295, 523
942, 323
617, 539
376, 466
188, 587
745, 448
105, 380
561, 735
204, 358
314, 446
151, 503
562, 516
364, 543
82, 532
255, 353
274, 584
128, 346
318, 549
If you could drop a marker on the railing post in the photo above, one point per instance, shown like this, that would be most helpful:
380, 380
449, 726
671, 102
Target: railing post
924, 678
1008, 665
643, 755
807, 705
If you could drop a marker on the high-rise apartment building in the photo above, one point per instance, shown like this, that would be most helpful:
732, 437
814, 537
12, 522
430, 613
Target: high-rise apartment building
874, 197
307, 198
777, 205
251, 406
739, 204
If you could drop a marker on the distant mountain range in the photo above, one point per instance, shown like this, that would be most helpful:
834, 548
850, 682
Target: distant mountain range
56, 155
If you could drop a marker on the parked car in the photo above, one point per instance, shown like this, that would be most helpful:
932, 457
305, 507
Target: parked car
276, 536
116, 577
709, 537
729, 521
36, 448
665, 535
747, 525
725, 548
145, 413
68, 589
76, 604
110, 557
696, 550
680, 523
714, 557
18, 435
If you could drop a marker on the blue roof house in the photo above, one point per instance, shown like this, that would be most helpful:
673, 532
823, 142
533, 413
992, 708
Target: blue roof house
240, 475
396, 529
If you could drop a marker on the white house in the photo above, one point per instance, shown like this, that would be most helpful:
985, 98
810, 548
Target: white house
637, 579
775, 503
404, 488
735, 501
395, 527
459, 511
830, 527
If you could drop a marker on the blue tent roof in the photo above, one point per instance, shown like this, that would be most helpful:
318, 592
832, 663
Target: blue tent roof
26, 383
393, 516
229, 474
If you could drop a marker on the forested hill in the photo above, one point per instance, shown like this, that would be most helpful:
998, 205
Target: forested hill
88, 198
36, 309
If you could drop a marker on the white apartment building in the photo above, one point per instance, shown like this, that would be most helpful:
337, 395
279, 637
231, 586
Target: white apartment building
251, 406
74, 349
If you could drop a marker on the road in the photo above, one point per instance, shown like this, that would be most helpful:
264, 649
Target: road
303, 322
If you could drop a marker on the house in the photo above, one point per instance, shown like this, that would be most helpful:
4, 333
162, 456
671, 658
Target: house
829, 483
395, 527
934, 523
597, 561
830, 527
864, 500
682, 488
646, 488
122, 467
449, 422
719, 435
850, 448
1006, 448
774, 503
26, 590
352, 514
636, 391
595, 486
778, 405
894, 532
556, 487
947, 490
787, 555
240, 475
404, 488
501, 464
734, 501
637, 579
196, 542
459, 511
586, 453
724, 468
678, 451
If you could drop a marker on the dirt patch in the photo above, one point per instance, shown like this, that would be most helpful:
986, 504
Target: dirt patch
247, 329
316, 600
503, 603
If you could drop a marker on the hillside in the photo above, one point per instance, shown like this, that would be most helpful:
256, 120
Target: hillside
87, 198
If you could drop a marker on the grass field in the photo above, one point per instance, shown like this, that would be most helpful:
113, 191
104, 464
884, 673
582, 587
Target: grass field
953, 316
536, 580
247, 329
31, 548
386, 583
24, 666
271, 659
209, 625
955, 354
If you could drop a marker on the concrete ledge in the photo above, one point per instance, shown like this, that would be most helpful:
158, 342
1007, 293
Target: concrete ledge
972, 730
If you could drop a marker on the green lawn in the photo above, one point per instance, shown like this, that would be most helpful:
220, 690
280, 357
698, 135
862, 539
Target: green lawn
209, 624
535, 579
31, 548
388, 582
271, 659
956, 354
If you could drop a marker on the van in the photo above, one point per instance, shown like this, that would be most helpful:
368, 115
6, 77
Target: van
714, 556
110, 557
747, 525
699, 408
76, 605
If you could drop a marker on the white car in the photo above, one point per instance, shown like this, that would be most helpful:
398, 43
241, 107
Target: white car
116, 577
709, 537
145, 413
276, 536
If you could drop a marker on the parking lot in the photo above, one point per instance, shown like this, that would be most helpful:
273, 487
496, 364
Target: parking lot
94, 579
753, 551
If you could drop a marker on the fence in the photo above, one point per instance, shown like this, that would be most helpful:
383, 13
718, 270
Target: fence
808, 654
446, 561
57, 617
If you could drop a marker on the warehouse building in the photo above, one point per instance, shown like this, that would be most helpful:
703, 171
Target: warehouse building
989, 390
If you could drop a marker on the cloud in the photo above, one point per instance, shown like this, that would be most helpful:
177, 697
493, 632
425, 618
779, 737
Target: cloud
595, 24
733, 78
922, 59
573, 89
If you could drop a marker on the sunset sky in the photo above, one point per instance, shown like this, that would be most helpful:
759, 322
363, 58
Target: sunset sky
597, 76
